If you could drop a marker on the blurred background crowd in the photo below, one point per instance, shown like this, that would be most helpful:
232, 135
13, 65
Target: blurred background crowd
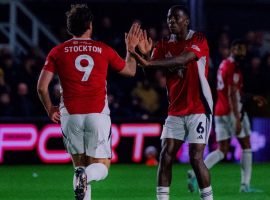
142, 97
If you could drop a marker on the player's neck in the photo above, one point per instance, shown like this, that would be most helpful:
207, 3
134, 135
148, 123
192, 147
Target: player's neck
86, 35
182, 35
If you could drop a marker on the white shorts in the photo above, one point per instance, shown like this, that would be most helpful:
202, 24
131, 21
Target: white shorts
225, 127
192, 128
87, 133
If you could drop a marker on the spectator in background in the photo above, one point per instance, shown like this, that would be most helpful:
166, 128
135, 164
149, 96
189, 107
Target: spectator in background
253, 43
161, 89
153, 34
3, 86
107, 34
23, 105
6, 108
253, 76
224, 40
223, 51
164, 32
151, 155
27, 72
265, 48
266, 73
56, 95
223, 48
10, 70
147, 95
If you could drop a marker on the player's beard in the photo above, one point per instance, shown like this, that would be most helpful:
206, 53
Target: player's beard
240, 63
239, 59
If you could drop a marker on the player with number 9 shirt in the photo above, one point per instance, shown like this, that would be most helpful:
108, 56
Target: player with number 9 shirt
81, 64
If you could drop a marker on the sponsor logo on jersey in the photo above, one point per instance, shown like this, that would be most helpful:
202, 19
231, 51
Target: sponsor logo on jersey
168, 55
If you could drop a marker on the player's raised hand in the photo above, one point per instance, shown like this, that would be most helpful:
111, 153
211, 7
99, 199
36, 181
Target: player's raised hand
54, 114
145, 44
133, 37
260, 100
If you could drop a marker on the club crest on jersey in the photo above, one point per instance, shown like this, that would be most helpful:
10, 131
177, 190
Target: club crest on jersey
195, 47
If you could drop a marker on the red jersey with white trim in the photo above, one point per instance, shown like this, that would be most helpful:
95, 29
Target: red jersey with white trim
188, 89
228, 75
82, 65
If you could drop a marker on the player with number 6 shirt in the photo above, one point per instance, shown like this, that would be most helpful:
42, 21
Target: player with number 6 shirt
81, 64
184, 56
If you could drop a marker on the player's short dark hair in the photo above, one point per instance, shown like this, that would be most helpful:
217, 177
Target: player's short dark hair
79, 18
238, 42
182, 8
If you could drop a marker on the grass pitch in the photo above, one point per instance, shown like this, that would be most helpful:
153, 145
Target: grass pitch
125, 182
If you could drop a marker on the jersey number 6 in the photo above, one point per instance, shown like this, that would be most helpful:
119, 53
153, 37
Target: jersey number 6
200, 128
86, 69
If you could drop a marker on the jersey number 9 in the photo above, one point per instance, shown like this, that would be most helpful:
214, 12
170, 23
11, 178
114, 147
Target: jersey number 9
86, 69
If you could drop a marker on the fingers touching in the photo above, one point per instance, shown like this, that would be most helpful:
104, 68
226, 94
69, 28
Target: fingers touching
138, 37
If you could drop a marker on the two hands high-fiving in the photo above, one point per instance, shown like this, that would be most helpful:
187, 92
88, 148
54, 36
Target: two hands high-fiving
136, 37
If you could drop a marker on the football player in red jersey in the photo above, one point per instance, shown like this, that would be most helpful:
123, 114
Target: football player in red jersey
184, 56
81, 65
230, 116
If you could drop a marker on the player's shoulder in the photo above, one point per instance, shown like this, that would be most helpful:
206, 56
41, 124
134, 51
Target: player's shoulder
165, 40
55, 50
197, 36
227, 64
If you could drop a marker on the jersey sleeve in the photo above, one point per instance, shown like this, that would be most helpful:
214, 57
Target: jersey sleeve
158, 51
115, 61
198, 45
50, 63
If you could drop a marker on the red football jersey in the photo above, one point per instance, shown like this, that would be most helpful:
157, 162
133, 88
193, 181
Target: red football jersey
227, 75
82, 65
188, 89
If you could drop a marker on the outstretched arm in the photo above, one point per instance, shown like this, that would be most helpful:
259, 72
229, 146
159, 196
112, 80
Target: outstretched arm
43, 93
178, 61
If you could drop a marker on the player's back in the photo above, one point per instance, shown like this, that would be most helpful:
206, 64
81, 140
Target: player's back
82, 65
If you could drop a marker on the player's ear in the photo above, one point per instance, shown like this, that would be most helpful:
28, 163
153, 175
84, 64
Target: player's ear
91, 26
91, 29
